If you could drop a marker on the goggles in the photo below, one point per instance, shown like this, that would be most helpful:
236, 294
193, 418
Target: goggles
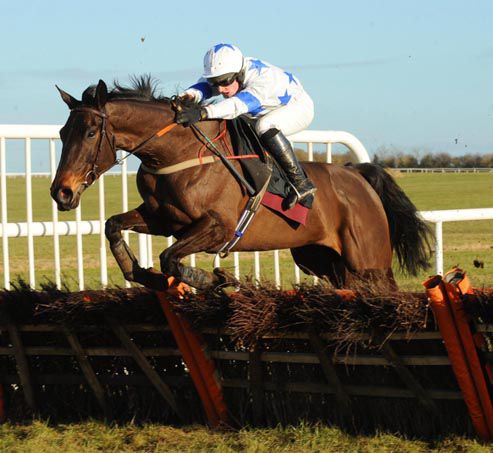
221, 82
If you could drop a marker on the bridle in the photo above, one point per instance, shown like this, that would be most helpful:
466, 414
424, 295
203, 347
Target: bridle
93, 173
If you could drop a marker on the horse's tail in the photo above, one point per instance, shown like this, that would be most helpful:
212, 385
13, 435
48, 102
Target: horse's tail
409, 234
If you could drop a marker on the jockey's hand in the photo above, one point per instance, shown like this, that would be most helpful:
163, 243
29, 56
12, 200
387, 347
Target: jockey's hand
188, 115
187, 97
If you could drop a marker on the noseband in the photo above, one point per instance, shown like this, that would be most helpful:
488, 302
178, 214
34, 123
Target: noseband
93, 172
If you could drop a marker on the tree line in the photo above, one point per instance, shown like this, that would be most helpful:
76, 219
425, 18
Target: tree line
394, 158
432, 160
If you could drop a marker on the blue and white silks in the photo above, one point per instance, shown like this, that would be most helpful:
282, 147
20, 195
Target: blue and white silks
265, 88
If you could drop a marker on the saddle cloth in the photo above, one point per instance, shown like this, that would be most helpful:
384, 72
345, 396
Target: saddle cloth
256, 171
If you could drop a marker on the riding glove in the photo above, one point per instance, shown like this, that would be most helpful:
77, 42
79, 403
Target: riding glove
190, 114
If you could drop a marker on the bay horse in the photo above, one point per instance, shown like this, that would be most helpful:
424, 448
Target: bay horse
359, 215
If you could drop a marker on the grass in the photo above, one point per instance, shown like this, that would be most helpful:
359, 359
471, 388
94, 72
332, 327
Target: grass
464, 242
95, 436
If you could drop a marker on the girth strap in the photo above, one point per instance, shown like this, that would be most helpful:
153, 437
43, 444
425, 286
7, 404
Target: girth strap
192, 163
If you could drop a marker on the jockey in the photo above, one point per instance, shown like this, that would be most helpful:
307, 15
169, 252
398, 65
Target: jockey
252, 87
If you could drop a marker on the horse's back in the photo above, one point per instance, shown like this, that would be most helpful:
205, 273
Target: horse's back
344, 189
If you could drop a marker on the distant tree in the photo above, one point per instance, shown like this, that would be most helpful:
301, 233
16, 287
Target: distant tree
487, 161
388, 156
337, 158
408, 161
427, 161
320, 157
471, 160
442, 160
301, 154
342, 158
456, 162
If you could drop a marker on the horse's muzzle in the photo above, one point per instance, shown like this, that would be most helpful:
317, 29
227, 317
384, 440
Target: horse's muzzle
65, 198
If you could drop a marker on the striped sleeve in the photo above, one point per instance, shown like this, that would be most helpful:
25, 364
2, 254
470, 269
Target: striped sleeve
201, 90
227, 109
252, 102
241, 103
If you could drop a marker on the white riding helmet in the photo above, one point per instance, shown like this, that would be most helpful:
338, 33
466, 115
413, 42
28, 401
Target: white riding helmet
222, 59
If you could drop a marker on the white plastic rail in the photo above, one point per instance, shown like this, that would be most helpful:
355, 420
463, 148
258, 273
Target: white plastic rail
451, 215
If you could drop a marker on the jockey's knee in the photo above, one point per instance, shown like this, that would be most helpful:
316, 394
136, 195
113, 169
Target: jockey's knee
294, 117
265, 124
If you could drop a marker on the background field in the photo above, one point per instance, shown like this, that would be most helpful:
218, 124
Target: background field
463, 241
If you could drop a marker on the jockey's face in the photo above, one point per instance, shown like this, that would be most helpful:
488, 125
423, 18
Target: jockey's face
229, 90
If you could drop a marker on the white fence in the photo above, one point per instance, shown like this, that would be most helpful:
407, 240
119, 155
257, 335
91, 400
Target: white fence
55, 228
451, 215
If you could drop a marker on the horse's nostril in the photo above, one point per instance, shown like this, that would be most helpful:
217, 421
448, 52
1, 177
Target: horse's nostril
65, 194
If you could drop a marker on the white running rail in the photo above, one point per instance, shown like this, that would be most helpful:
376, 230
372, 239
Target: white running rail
451, 215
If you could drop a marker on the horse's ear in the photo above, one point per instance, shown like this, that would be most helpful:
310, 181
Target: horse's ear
69, 100
101, 94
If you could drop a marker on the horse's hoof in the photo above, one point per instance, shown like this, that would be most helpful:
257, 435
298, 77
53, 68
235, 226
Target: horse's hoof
152, 279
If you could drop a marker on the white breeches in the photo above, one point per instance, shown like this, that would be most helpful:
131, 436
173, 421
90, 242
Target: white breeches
290, 118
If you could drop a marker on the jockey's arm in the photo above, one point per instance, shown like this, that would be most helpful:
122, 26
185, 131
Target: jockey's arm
239, 104
200, 91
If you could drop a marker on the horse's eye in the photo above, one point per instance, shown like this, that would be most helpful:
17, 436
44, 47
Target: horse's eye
91, 134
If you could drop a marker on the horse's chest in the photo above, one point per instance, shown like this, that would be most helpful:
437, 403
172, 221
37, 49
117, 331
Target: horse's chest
168, 212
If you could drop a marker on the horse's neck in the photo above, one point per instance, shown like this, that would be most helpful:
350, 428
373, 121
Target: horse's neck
137, 123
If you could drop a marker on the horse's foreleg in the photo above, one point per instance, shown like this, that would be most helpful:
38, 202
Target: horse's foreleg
208, 234
140, 221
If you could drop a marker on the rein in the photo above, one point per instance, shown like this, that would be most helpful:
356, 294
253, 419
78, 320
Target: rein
93, 173
225, 161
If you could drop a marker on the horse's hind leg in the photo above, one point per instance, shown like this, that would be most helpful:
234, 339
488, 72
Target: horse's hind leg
208, 234
322, 262
380, 280
140, 221
369, 261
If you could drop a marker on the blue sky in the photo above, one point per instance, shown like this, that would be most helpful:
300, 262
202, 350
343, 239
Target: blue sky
410, 74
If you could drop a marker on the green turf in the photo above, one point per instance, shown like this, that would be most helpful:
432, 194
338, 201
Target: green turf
93, 436
464, 242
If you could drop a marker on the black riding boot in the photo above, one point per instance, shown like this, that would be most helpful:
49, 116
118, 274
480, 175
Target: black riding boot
280, 148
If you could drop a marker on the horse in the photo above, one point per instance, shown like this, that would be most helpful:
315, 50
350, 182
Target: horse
359, 215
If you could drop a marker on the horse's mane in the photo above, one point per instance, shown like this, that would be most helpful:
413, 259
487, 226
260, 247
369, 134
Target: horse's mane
143, 88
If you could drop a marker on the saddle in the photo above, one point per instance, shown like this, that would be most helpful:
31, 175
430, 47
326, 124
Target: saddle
245, 141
